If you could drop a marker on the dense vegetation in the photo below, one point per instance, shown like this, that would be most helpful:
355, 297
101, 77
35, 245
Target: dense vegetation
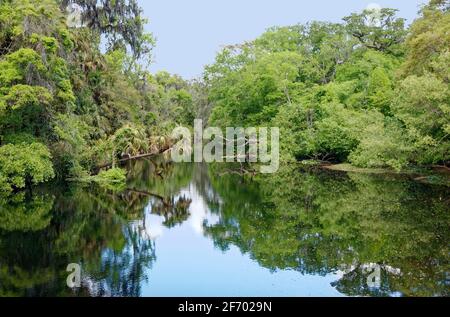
72, 98
76, 94
368, 91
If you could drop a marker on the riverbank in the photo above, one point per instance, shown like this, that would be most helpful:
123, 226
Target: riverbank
439, 175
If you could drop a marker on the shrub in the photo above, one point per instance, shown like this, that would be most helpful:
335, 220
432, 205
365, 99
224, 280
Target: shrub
113, 175
382, 146
113, 179
23, 165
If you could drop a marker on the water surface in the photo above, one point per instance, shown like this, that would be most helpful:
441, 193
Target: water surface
195, 230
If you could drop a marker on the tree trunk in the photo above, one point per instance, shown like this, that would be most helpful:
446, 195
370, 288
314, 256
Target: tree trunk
113, 164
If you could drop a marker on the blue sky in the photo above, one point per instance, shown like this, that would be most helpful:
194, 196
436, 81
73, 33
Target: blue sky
190, 32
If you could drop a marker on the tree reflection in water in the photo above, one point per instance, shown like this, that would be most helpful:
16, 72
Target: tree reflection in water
313, 222
322, 222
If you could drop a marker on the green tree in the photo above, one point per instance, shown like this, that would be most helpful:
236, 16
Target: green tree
23, 165
422, 104
377, 29
427, 43
120, 21
423, 96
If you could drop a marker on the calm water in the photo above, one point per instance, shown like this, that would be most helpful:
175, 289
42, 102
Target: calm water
193, 230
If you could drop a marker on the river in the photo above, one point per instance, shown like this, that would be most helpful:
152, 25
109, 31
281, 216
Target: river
195, 230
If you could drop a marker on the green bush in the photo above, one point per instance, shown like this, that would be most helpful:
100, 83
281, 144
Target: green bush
113, 179
23, 165
113, 175
382, 145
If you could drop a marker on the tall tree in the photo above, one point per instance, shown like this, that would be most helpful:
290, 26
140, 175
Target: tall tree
120, 21
377, 29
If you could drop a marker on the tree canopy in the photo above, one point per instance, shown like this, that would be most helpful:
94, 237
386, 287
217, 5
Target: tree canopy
369, 91
73, 97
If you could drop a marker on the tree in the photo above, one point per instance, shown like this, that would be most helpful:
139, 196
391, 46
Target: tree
120, 21
24, 165
253, 95
377, 29
423, 96
58, 87
382, 144
130, 140
422, 104
428, 42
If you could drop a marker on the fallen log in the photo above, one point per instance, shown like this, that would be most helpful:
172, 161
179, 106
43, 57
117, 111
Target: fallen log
123, 160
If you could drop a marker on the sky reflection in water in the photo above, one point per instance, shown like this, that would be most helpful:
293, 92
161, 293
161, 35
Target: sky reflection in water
191, 230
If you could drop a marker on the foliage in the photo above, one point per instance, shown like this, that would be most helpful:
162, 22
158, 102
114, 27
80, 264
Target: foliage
422, 100
58, 87
377, 29
24, 164
120, 21
423, 105
363, 91
382, 145
114, 178
130, 140
427, 43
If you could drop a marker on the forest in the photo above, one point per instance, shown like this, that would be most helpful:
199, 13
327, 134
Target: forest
75, 96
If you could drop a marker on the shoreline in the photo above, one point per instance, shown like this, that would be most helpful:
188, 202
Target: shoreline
438, 175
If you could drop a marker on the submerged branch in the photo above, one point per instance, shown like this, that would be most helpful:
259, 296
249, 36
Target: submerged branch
145, 193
